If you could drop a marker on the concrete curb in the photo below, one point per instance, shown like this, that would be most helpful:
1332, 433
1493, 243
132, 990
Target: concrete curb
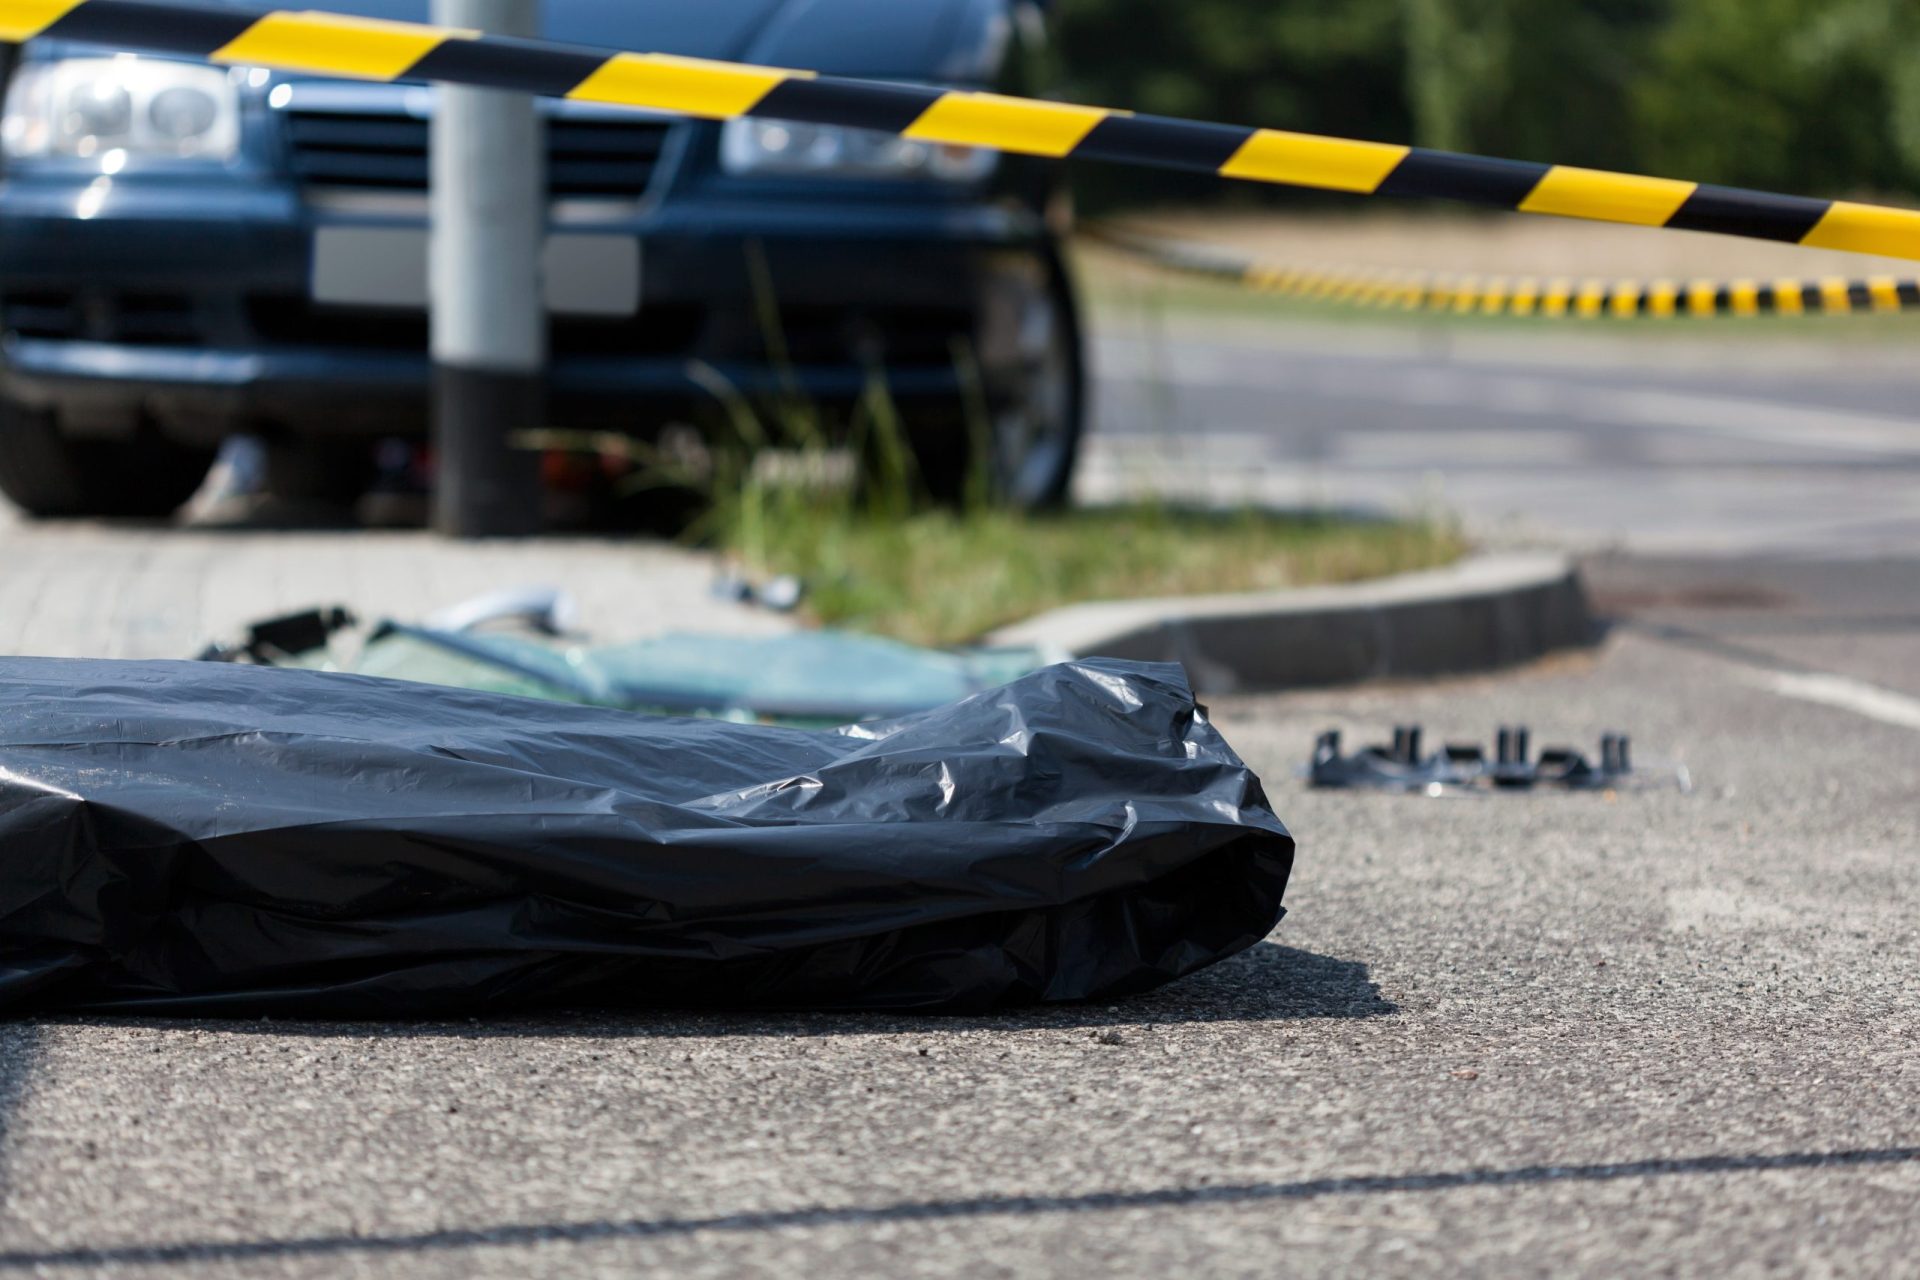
1485, 612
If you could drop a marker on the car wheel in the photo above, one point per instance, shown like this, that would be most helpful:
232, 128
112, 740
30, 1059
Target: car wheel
1033, 439
1036, 439
48, 475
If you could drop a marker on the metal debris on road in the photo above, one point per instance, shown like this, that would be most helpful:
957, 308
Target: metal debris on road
283, 639
781, 594
1456, 767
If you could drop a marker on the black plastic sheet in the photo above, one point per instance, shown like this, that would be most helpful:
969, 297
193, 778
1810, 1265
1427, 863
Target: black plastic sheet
212, 839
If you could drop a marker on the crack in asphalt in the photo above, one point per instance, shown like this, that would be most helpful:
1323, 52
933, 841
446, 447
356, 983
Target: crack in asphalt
516, 1234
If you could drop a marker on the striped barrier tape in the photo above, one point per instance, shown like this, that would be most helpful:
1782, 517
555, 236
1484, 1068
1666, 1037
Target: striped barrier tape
339, 45
1545, 297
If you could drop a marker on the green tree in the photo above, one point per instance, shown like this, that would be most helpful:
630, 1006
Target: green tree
1796, 95
1820, 96
1286, 63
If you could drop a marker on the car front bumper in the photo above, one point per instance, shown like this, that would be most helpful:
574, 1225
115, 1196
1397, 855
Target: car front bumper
189, 306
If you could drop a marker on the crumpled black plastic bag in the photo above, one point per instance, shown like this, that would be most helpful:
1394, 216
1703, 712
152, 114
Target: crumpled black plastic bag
184, 837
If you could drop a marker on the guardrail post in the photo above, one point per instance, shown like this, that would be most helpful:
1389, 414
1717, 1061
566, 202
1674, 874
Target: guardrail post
489, 213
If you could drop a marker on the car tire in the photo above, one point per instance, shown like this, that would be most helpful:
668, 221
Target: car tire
1032, 441
50, 476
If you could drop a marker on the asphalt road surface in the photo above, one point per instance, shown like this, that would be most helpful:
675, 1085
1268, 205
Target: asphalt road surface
1641, 1032
1589, 435
1528, 1035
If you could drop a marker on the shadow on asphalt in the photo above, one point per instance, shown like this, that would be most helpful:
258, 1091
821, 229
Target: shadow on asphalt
524, 1234
1265, 983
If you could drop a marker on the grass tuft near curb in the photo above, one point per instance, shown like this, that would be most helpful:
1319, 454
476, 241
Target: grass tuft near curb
786, 491
944, 577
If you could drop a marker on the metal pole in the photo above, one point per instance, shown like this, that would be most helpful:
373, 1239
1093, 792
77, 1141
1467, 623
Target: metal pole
489, 318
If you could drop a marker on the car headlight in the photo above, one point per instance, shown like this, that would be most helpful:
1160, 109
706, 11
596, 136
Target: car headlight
779, 147
83, 108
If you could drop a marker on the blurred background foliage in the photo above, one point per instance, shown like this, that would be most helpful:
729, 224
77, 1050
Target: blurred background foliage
1812, 96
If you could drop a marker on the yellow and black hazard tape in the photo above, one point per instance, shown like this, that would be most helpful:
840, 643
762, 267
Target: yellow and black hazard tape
339, 45
1525, 296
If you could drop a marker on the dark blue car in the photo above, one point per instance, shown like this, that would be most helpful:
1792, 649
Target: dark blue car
190, 252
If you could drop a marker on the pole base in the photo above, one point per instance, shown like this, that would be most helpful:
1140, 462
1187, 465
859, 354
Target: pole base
484, 485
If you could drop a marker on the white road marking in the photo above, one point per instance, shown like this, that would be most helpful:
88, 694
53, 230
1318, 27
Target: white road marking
1847, 694
1761, 420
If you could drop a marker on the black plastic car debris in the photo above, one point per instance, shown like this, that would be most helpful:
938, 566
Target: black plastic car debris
1405, 766
275, 639
218, 839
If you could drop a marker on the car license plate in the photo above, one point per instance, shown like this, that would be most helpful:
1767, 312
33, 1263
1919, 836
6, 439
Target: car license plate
591, 275
582, 274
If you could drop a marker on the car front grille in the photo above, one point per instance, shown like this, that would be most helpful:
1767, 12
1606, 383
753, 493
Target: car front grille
387, 151
293, 320
100, 315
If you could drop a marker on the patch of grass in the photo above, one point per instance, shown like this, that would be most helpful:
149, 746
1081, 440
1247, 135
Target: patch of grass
785, 491
876, 558
946, 577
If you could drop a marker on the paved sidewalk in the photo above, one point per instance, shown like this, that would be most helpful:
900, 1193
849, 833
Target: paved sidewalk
110, 590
